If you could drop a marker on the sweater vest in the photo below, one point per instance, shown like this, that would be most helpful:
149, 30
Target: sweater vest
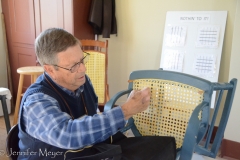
32, 148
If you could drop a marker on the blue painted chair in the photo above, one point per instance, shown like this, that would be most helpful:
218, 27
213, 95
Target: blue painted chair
180, 107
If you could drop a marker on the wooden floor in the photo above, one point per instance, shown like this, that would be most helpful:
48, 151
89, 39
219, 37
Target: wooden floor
3, 135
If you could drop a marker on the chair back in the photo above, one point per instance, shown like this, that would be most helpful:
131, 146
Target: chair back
171, 106
12, 142
180, 107
97, 67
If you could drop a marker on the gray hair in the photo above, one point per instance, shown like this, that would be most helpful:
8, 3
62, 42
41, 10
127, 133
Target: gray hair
52, 41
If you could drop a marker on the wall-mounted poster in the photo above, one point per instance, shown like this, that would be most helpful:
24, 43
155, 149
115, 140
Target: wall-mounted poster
193, 41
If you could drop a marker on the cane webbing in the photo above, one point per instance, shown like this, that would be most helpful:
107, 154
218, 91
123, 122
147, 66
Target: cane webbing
96, 71
171, 106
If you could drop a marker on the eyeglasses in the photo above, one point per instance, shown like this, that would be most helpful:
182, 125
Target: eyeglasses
75, 67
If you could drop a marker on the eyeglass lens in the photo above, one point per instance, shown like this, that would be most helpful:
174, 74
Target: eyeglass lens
76, 66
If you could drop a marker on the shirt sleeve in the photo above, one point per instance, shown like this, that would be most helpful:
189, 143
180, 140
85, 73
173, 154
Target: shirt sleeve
45, 121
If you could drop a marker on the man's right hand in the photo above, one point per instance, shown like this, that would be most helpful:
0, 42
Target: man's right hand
137, 101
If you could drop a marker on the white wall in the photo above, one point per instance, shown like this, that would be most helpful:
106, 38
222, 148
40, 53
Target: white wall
233, 129
3, 65
138, 44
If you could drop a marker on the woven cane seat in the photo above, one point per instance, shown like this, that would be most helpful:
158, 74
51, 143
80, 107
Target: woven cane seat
171, 106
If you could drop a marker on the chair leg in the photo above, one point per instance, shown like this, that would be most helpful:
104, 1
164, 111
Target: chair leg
32, 78
107, 93
35, 76
20, 86
5, 112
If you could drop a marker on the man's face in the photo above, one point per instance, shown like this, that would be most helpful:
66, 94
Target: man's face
67, 59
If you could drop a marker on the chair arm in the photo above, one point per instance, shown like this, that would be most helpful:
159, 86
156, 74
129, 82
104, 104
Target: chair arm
130, 125
192, 132
110, 104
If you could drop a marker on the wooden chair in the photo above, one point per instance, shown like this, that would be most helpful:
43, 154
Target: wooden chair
97, 67
34, 72
180, 107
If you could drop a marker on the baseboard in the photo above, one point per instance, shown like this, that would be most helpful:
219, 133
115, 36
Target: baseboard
230, 149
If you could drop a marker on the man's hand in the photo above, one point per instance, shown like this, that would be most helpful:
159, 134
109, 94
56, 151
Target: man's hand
137, 101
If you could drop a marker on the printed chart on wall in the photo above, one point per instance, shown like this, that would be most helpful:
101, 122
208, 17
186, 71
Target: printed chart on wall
193, 43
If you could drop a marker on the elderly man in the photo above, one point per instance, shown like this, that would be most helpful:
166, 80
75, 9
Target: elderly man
58, 113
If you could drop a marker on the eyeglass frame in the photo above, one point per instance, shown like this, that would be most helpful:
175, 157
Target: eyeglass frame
78, 63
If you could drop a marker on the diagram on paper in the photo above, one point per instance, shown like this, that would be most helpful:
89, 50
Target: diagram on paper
208, 36
176, 35
204, 65
173, 60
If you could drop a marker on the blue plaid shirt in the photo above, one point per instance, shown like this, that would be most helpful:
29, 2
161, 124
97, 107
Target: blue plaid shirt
44, 120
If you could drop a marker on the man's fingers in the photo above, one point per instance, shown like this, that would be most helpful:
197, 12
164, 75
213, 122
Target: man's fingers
135, 94
141, 96
145, 91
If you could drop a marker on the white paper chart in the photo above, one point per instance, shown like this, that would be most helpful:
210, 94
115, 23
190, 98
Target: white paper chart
173, 60
192, 43
208, 36
176, 35
204, 65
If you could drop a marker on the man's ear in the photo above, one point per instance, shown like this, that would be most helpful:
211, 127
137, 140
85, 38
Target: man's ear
49, 69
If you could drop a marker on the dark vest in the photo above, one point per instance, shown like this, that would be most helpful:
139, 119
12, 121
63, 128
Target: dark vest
31, 148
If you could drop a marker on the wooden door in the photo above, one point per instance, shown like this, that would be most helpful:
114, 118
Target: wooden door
48, 14
22, 21
21, 57
71, 15
21, 36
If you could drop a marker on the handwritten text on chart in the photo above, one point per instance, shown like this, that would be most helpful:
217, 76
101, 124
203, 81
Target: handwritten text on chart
194, 18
